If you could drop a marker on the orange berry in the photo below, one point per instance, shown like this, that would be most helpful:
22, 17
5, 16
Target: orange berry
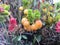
38, 23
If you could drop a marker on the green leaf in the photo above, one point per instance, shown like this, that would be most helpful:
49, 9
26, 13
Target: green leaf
2, 18
26, 3
57, 17
14, 38
19, 38
23, 36
38, 38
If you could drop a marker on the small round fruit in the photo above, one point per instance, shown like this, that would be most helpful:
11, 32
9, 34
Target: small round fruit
26, 23
28, 28
38, 24
50, 8
44, 10
48, 13
26, 11
24, 19
44, 18
21, 8
50, 20
25, 28
33, 27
